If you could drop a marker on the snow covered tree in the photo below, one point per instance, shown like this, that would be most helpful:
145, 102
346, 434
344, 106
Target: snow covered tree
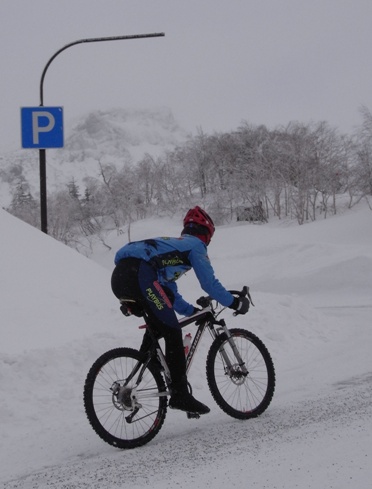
23, 204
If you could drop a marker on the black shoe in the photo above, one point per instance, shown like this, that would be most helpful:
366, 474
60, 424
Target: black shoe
186, 402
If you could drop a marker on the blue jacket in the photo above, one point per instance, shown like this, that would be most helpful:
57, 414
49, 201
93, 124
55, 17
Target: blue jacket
172, 257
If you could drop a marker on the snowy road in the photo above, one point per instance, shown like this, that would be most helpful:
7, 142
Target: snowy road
220, 448
297, 441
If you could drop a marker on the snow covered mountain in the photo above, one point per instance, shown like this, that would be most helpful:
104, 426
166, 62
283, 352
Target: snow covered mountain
134, 132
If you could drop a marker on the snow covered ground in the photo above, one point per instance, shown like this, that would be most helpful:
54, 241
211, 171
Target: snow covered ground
312, 288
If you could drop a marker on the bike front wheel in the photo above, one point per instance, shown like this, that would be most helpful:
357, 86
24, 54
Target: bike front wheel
125, 403
242, 391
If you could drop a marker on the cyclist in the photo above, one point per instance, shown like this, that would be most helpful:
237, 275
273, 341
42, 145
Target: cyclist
144, 279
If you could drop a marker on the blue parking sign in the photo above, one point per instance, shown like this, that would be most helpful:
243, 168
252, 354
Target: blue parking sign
42, 127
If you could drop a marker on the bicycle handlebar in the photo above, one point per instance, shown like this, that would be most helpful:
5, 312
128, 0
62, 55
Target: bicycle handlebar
205, 301
240, 293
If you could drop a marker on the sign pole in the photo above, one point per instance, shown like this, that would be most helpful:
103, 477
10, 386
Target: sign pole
43, 192
42, 152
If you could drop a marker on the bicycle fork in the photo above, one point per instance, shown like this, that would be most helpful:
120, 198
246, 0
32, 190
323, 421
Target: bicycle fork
226, 358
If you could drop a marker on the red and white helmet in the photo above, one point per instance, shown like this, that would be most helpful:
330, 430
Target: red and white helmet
199, 217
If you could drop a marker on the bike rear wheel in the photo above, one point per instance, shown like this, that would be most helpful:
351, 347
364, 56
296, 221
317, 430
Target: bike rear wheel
240, 394
122, 413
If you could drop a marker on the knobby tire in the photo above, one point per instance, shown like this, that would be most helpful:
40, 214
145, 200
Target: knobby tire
238, 395
107, 415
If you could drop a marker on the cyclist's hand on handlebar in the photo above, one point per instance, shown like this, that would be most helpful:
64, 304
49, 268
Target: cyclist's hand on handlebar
240, 305
203, 301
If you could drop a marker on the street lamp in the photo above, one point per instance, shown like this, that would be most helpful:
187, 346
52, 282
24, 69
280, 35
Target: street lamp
42, 152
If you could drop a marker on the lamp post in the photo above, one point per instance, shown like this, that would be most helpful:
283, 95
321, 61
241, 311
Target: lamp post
42, 152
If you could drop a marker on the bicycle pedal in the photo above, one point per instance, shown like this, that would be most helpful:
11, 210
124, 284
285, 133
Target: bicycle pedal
193, 415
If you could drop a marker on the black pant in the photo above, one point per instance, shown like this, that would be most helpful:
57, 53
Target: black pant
136, 279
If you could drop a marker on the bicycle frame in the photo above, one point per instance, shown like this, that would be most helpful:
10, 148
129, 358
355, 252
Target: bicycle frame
156, 350
206, 318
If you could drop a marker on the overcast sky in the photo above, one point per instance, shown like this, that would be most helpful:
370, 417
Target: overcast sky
221, 62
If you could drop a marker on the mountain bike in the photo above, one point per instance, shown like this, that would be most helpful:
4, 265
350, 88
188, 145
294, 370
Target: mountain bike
126, 391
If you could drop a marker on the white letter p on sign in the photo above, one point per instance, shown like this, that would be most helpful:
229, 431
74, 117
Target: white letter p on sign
37, 129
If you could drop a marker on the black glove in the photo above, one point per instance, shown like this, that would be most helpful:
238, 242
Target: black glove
240, 304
